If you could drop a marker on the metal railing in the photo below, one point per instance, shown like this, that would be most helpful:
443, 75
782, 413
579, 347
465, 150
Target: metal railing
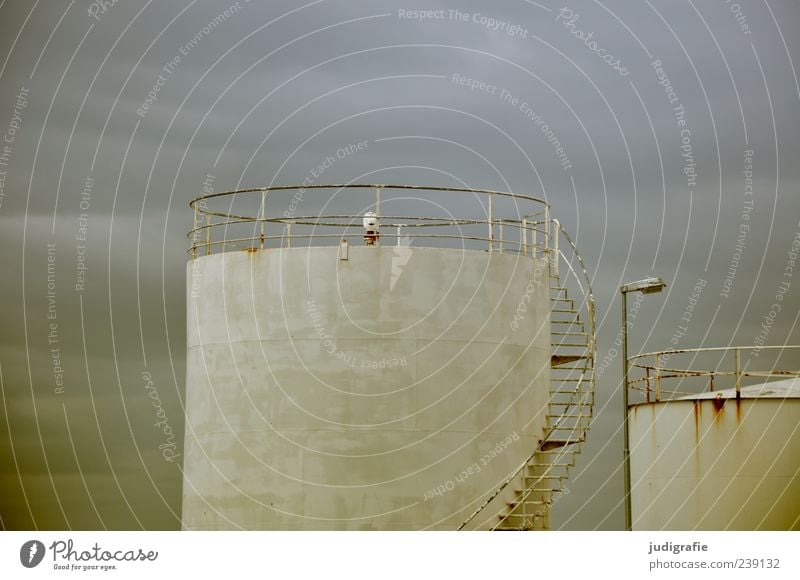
656, 378
522, 229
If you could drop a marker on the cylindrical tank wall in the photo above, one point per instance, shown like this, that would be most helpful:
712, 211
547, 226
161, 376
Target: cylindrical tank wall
389, 390
716, 464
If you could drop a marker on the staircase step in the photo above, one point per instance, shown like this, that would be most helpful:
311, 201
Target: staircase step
565, 322
559, 359
569, 456
535, 503
577, 406
575, 399
545, 465
560, 431
572, 385
534, 490
567, 397
559, 444
571, 396
569, 300
555, 482
540, 479
562, 441
578, 423
560, 451
555, 471
518, 522
574, 405
568, 422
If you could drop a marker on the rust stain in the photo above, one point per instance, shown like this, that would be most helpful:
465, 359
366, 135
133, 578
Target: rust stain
738, 410
698, 411
719, 407
251, 250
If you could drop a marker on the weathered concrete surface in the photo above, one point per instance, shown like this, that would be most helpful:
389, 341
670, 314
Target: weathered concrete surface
331, 394
716, 464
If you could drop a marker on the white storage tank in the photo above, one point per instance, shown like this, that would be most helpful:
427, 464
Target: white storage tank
360, 384
715, 460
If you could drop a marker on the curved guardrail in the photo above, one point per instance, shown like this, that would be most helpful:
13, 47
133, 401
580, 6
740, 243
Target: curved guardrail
272, 220
656, 377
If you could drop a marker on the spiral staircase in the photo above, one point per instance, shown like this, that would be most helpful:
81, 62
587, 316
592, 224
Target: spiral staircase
524, 499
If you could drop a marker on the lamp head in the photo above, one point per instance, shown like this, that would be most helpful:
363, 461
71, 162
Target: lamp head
646, 286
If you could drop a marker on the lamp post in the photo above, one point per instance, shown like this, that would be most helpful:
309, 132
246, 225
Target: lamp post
646, 286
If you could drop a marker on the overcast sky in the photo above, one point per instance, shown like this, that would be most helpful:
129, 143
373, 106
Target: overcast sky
265, 93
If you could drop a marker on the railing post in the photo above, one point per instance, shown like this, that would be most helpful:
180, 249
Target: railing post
378, 212
262, 216
208, 234
547, 231
195, 224
658, 377
491, 224
402, 239
524, 236
554, 256
501, 235
289, 234
738, 370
